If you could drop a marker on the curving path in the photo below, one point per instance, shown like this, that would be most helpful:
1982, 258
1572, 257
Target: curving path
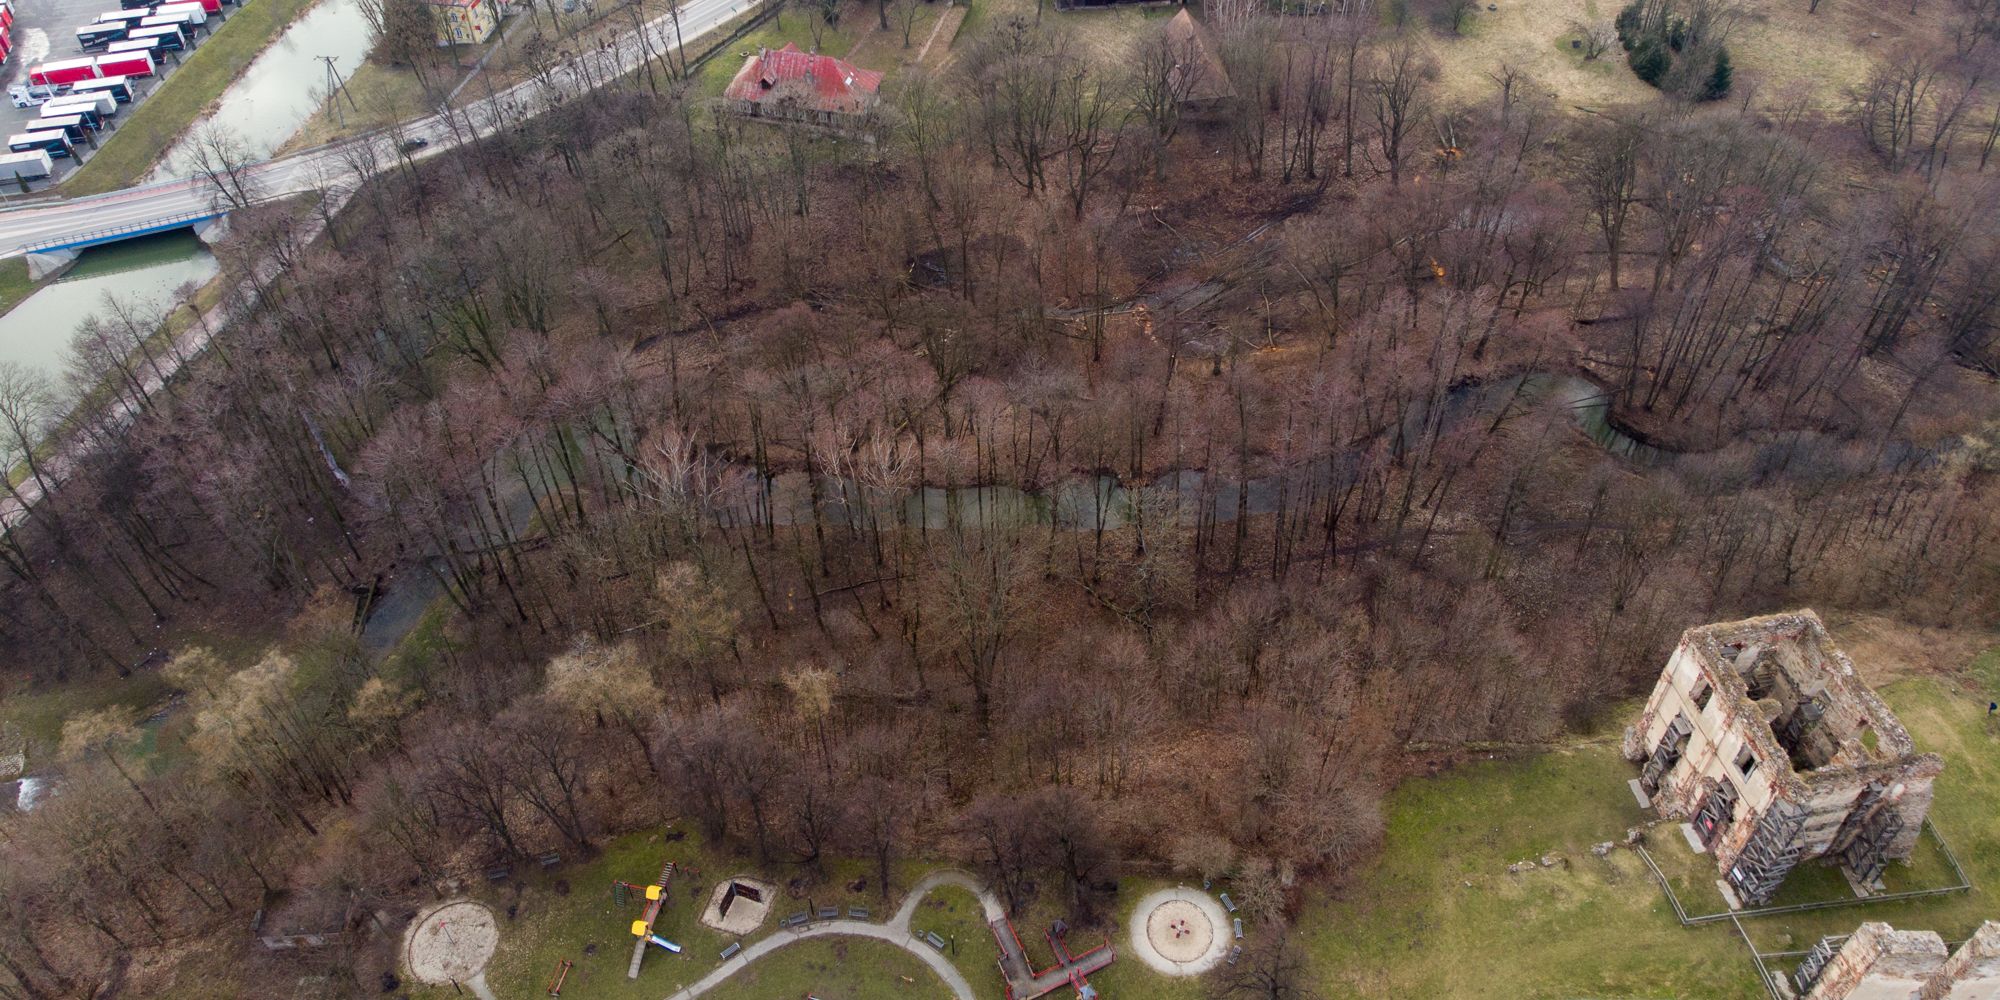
895, 931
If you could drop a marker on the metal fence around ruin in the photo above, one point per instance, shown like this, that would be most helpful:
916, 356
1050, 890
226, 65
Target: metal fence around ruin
1964, 884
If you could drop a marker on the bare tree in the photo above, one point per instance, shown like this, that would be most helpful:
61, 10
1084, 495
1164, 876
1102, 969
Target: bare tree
1401, 82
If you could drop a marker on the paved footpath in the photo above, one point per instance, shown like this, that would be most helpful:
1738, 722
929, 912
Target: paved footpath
895, 931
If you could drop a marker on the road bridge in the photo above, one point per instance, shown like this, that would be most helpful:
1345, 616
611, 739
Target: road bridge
65, 226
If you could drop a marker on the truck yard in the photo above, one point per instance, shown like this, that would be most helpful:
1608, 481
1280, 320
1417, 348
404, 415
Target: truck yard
56, 46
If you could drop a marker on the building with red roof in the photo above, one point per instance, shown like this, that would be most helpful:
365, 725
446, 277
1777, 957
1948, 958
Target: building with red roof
790, 85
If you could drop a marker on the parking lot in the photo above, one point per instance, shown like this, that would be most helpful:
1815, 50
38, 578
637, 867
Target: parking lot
44, 31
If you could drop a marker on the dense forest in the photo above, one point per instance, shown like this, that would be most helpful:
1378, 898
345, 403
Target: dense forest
948, 489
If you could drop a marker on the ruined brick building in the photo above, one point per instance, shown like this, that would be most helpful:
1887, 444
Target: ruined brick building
1878, 962
1761, 735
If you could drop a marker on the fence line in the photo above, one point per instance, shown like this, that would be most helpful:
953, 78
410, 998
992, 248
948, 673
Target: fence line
1964, 885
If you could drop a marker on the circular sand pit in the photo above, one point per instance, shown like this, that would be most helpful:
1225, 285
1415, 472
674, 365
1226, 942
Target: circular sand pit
1180, 932
450, 942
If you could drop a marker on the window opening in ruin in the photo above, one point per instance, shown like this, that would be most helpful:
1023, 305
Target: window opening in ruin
1672, 744
1746, 762
1716, 813
1702, 695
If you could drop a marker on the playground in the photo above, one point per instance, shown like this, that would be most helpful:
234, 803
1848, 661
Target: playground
451, 942
1180, 932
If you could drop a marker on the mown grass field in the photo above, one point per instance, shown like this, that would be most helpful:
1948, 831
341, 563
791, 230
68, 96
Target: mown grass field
174, 105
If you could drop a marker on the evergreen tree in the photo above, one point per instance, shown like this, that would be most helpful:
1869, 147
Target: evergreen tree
1720, 79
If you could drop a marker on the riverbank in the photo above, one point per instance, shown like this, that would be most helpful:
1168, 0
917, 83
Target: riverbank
185, 97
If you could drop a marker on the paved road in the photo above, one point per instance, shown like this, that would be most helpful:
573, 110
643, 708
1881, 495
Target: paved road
339, 164
895, 931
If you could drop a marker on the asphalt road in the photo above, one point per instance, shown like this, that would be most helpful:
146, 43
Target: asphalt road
335, 165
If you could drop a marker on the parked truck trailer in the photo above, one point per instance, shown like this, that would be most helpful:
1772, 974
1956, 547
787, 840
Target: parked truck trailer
126, 64
54, 143
64, 72
120, 88
32, 165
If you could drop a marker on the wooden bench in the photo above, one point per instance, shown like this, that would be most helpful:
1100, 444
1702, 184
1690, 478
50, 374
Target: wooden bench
858, 912
936, 942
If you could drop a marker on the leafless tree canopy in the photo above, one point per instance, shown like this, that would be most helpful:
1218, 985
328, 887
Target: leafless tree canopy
1074, 478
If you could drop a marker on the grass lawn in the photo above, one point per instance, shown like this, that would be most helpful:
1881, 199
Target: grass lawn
40, 714
795, 27
1439, 915
383, 95
175, 104
954, 914
569, 913
15, 284
833, 969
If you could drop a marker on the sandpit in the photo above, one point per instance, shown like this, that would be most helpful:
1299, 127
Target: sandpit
450, 942
742, 910
1180, 932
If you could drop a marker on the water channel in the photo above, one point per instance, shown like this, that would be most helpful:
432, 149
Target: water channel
283, 86
142, 272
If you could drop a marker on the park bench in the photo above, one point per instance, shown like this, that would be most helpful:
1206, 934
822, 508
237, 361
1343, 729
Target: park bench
1228, 904
1239, 928
858, 912
795, 919
936, 942
498, 873
730, 952
1235, 953
550, 859
829, 912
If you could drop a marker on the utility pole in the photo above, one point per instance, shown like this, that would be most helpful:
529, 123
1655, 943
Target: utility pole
334, 84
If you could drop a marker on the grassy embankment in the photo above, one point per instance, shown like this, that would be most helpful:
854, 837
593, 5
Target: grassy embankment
178, 102
1439, 915
15, 284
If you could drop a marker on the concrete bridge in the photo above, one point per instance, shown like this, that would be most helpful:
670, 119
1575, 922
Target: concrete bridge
50, 257
61, 228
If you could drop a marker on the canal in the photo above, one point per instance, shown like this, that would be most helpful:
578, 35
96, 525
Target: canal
144, 273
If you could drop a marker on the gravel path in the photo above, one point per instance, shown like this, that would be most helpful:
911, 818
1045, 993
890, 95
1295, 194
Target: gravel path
895, 931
